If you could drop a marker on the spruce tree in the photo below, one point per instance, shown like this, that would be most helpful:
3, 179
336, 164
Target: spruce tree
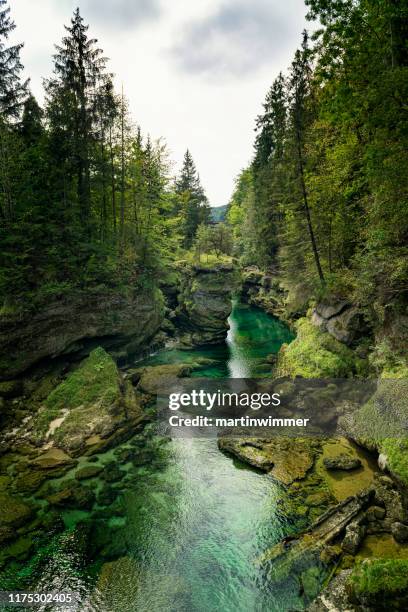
79, 69
299, 109
12, 90
192, 199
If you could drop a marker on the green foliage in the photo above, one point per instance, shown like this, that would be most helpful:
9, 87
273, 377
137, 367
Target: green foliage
328, 182
379, 579
215, 239
86, 202
314, 354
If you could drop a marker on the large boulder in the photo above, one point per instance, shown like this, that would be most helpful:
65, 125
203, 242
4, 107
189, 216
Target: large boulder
316, 354
205, 303
286, 459
90, 405
345, 322
74, 324
158, 379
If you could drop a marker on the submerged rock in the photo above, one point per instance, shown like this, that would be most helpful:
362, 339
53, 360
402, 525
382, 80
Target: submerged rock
13, 511
285, 459
89, 471
112, 473
73, 496
342, 462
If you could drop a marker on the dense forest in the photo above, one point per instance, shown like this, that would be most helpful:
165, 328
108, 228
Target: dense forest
324, 202
86, 200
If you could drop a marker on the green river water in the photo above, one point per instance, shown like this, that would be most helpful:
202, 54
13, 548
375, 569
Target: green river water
189, 527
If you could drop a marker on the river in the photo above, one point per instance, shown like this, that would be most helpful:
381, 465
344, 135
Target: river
189, 527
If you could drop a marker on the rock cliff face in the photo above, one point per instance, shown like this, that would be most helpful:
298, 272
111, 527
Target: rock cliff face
205, 303
341, 320
76, 325
263, 290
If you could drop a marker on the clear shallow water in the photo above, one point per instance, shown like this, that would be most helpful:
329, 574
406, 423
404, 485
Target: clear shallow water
188, 529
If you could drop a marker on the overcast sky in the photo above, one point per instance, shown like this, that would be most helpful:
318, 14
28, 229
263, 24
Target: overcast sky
195, 71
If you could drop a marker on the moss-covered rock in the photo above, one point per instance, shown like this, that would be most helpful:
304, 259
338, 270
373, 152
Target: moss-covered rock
316, 354
54, 458
30, 481
286, 459
89, 471
380, 584
380, 424
160, 378
73, 496
13, 511
92, 402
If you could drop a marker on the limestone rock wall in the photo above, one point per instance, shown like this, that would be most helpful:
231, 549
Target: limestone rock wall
205, 303
77, 324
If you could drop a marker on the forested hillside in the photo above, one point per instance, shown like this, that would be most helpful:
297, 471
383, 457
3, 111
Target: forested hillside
324, 202
86, 200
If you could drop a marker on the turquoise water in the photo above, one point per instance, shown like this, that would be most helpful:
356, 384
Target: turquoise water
187, 527
253, 335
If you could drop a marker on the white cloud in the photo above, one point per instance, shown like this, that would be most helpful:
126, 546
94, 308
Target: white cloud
238, 37
209, 111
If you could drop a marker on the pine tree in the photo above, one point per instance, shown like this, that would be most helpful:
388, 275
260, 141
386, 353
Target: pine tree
12, 90
267, 170
79, 69
192, 199
300, 94
31, 127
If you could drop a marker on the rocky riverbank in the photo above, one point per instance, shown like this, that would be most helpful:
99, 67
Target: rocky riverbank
76, 450
335, 340
199, 301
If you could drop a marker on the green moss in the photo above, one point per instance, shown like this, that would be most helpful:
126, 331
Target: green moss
94, 381
380, 422
315, 354
397, 457
380, 578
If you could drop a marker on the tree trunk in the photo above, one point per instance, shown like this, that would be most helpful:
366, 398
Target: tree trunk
307, 210
122, 175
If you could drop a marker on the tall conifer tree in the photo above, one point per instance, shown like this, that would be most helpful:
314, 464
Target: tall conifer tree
192, 199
